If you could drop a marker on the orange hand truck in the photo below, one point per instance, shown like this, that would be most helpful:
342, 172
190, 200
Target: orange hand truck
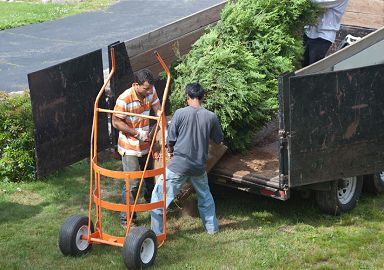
77, 234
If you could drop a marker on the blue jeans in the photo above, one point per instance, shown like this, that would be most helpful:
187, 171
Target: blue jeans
130, 164
174, 183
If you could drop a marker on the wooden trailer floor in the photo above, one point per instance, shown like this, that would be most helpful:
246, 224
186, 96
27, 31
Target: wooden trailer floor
260, 161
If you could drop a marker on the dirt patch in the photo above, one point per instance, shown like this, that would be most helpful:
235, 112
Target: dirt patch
260, 159
26, 197
287, 229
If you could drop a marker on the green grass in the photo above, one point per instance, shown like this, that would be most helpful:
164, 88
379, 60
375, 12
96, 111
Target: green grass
256, 232
20, 13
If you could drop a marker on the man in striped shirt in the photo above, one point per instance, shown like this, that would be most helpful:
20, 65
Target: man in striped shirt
134, 132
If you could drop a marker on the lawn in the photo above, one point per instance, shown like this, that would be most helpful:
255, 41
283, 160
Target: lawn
256, 232
20, 13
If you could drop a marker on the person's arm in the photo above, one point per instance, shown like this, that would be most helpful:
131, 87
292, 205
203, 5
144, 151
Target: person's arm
118, 122
155, 103
216, 133
328, 3
172, 133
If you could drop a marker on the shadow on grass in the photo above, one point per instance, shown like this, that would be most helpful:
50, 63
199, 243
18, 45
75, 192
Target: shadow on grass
254, 210
11, 212
238, 209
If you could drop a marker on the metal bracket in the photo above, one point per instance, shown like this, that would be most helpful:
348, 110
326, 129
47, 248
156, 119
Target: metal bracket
284, 180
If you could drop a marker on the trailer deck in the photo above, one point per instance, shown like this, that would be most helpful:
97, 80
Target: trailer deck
257, 169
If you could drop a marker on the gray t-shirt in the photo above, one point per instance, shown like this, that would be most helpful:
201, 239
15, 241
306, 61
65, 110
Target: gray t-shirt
189, 134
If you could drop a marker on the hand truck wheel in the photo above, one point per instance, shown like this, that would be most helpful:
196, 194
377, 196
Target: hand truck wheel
70, 237
140, 248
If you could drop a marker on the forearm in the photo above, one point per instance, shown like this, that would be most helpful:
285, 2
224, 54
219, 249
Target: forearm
123, 127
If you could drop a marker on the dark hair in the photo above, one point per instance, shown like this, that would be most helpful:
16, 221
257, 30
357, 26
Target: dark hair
144, 75
194, 90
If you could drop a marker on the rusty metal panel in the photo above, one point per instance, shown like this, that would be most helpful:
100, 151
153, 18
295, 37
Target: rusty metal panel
336, 125
62, 104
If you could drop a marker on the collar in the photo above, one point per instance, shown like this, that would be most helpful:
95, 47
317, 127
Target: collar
134, 95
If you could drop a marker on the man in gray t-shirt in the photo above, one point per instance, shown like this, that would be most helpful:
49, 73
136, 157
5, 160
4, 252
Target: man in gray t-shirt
189, 134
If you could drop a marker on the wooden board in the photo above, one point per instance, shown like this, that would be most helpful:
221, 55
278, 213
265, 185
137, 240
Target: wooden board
180, 34
368, 13
173, 30
167, 50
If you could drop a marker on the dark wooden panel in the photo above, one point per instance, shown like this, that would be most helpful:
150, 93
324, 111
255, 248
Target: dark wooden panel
337, 124
62, 104
283, 87
123, 77
284, 126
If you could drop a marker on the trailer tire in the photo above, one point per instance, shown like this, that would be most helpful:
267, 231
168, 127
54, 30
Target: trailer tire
70, 242
342, 197
140, 248
374, 183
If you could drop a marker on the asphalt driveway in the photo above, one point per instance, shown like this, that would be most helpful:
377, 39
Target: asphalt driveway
33, 47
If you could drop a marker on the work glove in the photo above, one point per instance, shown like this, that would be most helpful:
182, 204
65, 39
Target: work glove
143, 135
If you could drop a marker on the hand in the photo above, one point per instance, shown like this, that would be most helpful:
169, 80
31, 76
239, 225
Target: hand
156, 155
170, 155
142, 135
169, 151
156, 151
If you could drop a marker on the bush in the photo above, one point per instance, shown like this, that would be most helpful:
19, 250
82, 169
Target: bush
16, 138
238, 62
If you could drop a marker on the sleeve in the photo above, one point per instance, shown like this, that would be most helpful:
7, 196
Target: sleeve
120, 107
216, 133
328, 3
155, 103
173, 130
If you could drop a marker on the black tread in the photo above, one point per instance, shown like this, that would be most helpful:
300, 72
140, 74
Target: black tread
132, 245
67, 235
373, 184
329, 203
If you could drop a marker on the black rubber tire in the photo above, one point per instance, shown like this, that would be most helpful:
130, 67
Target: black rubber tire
133, 247
68, 233
374, 183
329, 202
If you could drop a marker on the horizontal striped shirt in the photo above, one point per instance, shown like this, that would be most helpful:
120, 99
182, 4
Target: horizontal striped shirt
130, 102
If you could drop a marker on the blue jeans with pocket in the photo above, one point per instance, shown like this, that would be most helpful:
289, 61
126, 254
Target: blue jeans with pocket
174, 182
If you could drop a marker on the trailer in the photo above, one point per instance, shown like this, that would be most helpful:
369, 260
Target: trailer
329, 134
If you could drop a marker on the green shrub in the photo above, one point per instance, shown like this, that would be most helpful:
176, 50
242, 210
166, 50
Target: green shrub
16, 138
238, 62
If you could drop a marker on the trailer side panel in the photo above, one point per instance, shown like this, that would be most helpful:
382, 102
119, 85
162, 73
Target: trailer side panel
336, 125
